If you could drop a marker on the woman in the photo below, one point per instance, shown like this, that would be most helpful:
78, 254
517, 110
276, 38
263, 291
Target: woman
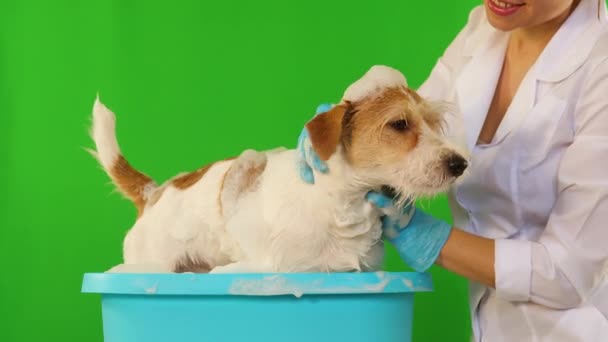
531, 81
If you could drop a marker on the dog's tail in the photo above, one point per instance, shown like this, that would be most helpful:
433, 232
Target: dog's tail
133, 184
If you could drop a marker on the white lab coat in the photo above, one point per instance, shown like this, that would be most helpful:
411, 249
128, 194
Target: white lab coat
540, 188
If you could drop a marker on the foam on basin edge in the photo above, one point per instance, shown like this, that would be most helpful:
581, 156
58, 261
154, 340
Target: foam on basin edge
279, 285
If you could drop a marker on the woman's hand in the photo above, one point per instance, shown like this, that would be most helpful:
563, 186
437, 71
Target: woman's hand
307, 157
422, 240
417, 236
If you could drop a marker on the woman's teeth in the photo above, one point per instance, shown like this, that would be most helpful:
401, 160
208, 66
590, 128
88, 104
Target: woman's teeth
502, 4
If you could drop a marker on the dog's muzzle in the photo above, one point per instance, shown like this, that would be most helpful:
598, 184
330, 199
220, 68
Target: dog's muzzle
456, 165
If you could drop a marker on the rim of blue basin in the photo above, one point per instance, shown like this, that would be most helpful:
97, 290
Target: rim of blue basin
256, 284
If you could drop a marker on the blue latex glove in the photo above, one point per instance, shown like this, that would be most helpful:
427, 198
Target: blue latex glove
307, 157
417, 236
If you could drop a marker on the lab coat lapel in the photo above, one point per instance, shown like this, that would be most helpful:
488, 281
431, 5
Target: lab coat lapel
572, 44
476, 85
521, 104
566, 52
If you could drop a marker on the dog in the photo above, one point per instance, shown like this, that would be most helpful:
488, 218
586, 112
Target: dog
253, 213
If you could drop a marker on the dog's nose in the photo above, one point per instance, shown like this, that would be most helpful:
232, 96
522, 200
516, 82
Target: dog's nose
456, 165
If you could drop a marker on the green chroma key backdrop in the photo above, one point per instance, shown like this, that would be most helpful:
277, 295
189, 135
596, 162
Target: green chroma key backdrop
190, 82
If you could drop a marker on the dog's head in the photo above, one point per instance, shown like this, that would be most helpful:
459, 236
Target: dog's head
389, 135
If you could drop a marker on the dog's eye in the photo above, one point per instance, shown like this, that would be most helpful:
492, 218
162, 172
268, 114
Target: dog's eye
399, 125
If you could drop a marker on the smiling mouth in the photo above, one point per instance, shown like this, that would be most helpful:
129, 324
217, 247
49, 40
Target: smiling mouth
505, 5
503, 8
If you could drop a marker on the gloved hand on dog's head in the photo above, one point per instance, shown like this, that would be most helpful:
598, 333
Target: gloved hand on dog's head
308, 158
417, 236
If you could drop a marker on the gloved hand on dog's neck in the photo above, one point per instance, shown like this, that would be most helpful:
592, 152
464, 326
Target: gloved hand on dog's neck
417, 236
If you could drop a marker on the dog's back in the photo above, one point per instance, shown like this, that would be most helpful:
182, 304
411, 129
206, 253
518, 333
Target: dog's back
179, 224
252, 213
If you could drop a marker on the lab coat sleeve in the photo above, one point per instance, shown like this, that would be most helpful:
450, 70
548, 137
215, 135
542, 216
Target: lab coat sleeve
440, 84
563, 268
440, 80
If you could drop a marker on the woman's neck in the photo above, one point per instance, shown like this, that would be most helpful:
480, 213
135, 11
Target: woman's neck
535, 38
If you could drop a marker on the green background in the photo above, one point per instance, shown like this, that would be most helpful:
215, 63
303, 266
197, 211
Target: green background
190, 82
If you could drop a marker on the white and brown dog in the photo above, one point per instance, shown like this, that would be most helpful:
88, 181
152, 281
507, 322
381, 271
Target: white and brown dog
253, 213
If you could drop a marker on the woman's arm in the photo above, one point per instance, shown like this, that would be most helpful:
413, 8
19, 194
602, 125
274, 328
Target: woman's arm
566, 264
470, 256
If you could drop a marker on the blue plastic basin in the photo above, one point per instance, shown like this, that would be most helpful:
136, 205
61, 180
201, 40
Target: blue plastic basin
311, 307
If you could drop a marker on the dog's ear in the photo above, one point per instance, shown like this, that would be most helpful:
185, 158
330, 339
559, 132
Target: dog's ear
325, 131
